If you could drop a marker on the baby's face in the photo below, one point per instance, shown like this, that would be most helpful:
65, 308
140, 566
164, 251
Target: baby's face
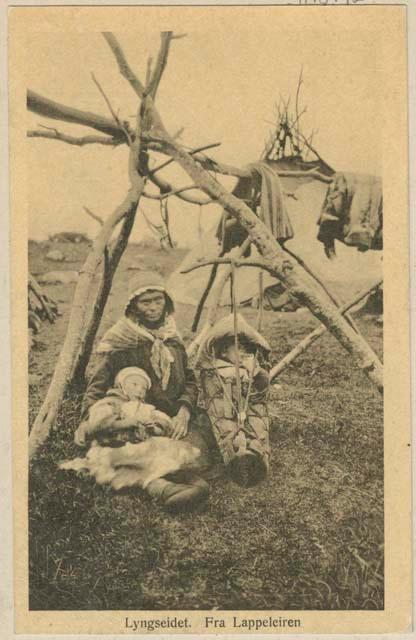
134, 387
230, 353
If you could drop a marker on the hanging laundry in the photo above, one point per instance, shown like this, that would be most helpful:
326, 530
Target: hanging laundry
263, 194
352, 213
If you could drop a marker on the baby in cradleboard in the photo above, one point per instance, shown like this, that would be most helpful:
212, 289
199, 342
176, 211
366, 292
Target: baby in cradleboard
123, 414
235, 385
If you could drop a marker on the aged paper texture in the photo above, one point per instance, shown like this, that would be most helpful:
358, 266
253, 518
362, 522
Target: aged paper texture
229, 477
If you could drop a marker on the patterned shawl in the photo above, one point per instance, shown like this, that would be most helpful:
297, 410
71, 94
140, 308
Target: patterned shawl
126, 334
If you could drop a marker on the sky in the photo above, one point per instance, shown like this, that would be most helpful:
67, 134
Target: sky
221, 86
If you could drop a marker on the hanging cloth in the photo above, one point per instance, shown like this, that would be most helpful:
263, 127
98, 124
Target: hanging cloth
264, 182
272, 207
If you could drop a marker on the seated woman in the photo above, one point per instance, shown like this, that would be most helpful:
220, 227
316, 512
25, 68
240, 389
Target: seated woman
235, 384
146, 337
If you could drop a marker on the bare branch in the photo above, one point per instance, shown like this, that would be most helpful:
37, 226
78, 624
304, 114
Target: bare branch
57, 111
149, 70
245, 172
298, 116
311, 148
123, 65
192, 152
107, 101
53, 134
94, 216
135, 83
150, 196
157, 230
162, 58
261, 264
174, 192
113, 113
178, 134
166, 187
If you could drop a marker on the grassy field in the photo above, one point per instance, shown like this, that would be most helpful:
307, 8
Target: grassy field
309, 537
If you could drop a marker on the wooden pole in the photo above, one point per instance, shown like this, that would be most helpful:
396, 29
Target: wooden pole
216, 299
317, 333
110, 264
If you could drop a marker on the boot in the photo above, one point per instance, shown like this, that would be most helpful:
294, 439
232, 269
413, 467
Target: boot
247, 469
176, 496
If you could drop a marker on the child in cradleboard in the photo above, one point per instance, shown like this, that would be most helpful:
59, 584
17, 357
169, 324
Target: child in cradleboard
123, 415
235, 385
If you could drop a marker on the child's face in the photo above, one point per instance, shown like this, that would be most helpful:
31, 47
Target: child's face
230, 353
134, 387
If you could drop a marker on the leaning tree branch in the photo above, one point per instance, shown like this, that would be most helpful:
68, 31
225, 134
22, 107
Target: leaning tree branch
149, 70
53, 134
57, 111
110, 264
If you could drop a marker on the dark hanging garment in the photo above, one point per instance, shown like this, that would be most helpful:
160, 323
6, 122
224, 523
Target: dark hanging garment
352, 213
263, 194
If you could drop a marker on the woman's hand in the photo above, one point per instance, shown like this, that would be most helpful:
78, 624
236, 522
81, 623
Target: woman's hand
181, 423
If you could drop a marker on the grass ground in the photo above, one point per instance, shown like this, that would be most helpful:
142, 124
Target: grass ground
309, 537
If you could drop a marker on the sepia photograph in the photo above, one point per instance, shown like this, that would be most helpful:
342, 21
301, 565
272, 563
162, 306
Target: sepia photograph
204, 308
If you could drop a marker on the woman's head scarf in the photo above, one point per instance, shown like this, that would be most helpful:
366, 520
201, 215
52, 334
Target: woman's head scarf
150, 281
127, 332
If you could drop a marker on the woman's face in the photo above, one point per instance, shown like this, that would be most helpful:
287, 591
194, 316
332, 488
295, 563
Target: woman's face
151, 306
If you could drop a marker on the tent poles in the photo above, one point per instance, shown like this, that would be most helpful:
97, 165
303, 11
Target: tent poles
317, 333
321, 283
216, 299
